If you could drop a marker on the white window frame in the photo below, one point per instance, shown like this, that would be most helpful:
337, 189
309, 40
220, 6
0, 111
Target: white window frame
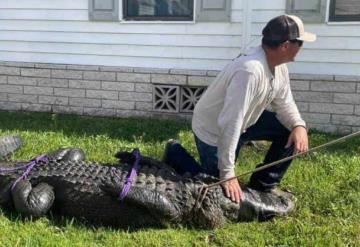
121, 17
335, 23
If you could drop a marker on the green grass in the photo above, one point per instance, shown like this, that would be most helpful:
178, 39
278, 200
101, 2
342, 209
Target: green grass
326, 184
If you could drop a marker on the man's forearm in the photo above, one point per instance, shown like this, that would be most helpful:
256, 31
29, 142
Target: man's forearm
228, 173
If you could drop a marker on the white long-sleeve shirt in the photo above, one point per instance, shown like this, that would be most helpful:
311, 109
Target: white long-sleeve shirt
235, 100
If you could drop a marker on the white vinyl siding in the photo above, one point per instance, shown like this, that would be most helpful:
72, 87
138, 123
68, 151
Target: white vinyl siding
59, 31
335, 52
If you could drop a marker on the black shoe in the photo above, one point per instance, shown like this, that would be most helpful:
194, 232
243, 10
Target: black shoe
258, 185
8, 144
166, 156
283, 193
177, 157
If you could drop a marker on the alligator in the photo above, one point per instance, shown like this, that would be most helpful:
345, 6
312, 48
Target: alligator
68, 185
8, 144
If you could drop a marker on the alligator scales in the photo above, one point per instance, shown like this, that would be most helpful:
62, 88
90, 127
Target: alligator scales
68, 185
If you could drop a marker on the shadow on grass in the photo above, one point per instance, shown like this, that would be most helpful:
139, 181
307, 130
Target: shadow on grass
62, 222
150, 129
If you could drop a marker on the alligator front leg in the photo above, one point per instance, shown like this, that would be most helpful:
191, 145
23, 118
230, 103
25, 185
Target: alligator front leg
33, 201
128, 158
68, 155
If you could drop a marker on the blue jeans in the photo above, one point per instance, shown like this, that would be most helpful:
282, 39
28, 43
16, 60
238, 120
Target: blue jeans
267, 128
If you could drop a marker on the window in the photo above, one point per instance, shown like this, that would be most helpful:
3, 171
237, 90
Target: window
167, 10
310, 11
164, 10
344, 10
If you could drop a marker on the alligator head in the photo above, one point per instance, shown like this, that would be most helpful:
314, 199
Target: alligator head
211, 208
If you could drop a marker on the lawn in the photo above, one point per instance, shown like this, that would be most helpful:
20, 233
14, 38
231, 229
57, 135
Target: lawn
326, 185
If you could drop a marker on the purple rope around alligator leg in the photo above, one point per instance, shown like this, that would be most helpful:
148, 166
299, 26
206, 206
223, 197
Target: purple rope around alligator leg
132, 175
44, 158
13, 169
29, 167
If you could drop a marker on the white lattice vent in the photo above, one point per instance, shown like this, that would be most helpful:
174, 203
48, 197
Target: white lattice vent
172, 98
166, 98
189, 96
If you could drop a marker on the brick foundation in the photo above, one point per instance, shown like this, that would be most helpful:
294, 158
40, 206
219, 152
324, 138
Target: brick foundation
328, 103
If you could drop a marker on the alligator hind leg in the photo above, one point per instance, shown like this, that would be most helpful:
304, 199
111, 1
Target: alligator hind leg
68, 154
151, 202
33, 201
155, 203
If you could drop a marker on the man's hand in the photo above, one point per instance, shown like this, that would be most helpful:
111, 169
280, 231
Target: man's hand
299, 138
232, 190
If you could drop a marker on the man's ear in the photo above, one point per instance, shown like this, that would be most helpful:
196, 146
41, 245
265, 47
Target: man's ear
285, 46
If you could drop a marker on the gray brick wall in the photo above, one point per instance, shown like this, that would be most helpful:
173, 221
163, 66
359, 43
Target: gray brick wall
327, 102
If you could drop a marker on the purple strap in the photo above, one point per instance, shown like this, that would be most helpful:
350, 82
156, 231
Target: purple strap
29, 167
13, 169
133, 173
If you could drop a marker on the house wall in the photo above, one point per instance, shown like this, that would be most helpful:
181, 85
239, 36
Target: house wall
55, 60
327, 103
59, 31
335, 52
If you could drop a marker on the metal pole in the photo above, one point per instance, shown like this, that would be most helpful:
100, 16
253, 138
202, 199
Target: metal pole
288, 158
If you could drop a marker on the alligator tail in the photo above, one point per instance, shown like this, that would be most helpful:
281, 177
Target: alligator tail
9, 144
